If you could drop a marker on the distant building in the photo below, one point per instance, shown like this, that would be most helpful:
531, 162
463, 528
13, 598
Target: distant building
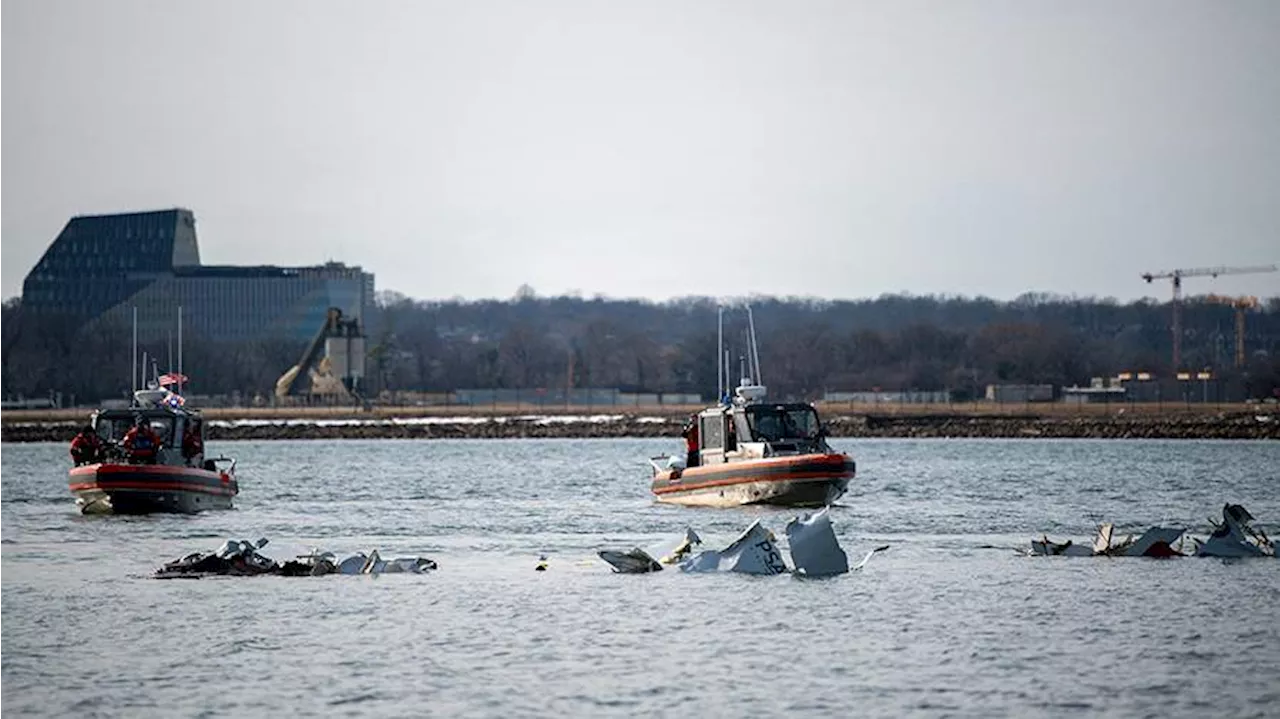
1019, 393
890, 397
102, 266
1099, 390
578, 397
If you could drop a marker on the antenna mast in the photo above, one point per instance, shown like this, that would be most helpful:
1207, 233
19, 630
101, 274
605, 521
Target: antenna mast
755, 348
133, 368
720, 361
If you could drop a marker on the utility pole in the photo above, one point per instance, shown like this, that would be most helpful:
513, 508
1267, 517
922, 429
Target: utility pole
1240, 304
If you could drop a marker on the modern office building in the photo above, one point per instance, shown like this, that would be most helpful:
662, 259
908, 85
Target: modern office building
101, 267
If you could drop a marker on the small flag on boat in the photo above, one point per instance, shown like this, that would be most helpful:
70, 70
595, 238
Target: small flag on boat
174, 400
173, 378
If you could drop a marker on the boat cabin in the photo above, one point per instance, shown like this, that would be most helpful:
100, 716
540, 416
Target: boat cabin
736, 432
171, 425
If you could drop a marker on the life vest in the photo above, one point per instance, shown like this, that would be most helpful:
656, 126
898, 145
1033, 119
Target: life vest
85, 448
141, 441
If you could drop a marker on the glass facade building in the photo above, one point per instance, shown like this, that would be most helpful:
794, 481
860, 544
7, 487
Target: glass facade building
101, 267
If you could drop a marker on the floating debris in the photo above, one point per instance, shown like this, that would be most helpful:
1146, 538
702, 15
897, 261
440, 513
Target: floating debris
1044, 547
815, 552
241, 558
1155, 542
1234, 537
636, 561
642, 561
751, 553
814, 549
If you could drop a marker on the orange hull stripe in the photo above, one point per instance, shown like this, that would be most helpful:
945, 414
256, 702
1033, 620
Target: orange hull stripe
748, 480
95, 470
111, 484
835, 460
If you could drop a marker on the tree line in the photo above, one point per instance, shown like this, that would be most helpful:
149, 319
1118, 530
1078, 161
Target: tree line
807, 346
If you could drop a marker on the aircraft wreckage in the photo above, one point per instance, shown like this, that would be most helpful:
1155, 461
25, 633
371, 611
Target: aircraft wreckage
814, 552
241, 559
1235, 537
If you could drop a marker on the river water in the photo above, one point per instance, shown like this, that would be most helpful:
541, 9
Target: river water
950, 621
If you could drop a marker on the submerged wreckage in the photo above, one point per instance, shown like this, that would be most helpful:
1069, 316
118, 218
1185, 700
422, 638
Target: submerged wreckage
241, 559
1234, 537
814, 552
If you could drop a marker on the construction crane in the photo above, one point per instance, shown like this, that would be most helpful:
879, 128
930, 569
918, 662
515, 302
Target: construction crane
1176, 276
1240, 304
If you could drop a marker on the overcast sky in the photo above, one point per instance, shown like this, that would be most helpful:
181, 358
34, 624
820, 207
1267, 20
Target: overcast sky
660, 149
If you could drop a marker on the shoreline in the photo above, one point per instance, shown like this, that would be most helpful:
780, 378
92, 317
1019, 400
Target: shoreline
230, 425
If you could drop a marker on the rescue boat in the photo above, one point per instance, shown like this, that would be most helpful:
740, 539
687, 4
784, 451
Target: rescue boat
176, 480
748, 450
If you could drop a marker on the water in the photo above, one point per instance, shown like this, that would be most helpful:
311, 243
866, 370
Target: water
948, 622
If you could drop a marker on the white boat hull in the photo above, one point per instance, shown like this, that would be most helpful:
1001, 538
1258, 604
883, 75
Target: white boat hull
793, 493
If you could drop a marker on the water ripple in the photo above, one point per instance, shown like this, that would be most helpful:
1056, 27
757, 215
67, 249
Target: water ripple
949, 622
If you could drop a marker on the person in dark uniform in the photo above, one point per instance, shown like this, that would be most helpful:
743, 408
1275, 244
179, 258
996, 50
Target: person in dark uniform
193, 444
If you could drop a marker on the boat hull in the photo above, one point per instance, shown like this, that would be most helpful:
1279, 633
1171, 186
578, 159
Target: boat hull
148, 489
812, 480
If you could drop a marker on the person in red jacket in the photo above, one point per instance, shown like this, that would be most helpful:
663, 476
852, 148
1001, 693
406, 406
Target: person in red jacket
86, 447
141, 442
690, 433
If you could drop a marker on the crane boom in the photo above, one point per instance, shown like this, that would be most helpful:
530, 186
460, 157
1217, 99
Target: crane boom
1176, 276
1208, 272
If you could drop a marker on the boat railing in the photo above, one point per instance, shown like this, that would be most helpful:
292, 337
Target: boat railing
211, 464
666, 463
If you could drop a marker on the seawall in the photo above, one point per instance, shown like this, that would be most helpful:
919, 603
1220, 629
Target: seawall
1220, 425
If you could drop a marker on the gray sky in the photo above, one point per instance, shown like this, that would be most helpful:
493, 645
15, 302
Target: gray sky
659, 149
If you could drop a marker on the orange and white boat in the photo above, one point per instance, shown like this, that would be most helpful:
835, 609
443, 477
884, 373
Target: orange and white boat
755, 453
177, 477
747, 450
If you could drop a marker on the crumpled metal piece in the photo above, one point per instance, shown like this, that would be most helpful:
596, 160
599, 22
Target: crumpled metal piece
814, 549
241, 558
815, 552
642, 561
754, 552
1235, 537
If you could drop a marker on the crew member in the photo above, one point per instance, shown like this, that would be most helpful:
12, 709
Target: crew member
192, 443
86, 447
141, 442
690, 433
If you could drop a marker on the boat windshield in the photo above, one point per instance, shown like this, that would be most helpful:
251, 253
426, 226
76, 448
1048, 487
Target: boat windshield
779, 422
114, 428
